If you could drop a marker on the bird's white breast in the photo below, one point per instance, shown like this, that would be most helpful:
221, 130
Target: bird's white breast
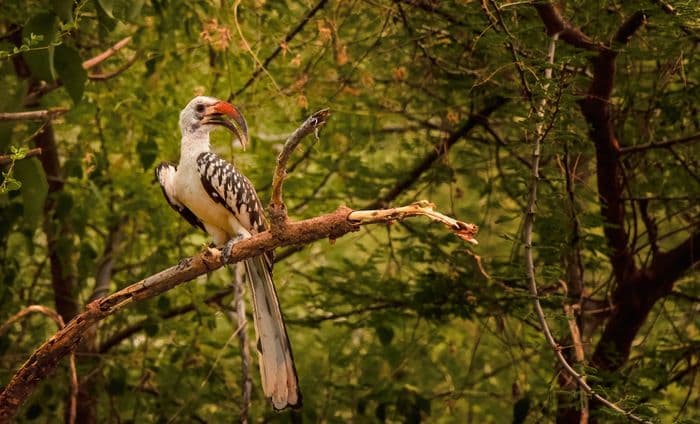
191, 193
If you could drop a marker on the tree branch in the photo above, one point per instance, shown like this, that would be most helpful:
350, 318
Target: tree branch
278, 211
528, 225
92, 62
175, 312
6, 159
239, 317
41, 90
555, 23
33, 115
658, 144
45, 359
117, 72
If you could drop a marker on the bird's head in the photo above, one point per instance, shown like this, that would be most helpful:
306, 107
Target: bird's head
202, 114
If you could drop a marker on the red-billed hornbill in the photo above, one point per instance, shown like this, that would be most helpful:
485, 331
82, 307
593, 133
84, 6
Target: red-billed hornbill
211, 194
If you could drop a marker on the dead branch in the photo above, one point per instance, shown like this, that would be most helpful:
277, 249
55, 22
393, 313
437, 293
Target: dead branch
5, 159
33, 115
278, 211
423, 208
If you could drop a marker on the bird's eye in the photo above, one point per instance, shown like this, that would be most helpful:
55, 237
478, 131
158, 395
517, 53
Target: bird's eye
200, 108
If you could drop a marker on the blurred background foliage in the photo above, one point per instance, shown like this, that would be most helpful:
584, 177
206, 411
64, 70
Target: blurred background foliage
398, 323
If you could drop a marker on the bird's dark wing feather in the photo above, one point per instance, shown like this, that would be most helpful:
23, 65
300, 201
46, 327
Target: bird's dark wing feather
228, 187
164, 174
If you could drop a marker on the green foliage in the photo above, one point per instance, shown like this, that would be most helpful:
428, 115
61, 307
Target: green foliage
398, 323
69, 69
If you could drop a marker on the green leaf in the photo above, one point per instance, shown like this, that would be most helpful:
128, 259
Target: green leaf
64, 9
385, 334
520, 410
69, 67
34, 190
148, 151
40, 57
134, 10
106, 7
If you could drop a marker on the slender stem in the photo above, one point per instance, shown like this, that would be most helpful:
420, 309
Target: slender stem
530, 263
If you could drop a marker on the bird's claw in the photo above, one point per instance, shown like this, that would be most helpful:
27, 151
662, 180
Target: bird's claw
184, 263
228, 248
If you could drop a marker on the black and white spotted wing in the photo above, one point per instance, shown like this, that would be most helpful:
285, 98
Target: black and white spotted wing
233, 190
165, 173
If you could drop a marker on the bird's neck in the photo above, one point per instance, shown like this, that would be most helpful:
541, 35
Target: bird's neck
192, 145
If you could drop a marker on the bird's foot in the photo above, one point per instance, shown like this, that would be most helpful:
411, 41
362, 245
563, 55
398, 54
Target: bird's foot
184, 263
228, 247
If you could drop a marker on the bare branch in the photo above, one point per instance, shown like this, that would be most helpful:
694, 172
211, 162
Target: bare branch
631, 25
175, 312
117, 72
59, 323
92, 62
32, 115
5, 159
463, 230
658, 144
556, 24
277, 209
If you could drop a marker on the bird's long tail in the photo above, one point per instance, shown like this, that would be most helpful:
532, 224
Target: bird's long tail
278, 373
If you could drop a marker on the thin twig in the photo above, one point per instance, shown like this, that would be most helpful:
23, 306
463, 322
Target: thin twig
32, 115
659, 144
5, 159
117, 72
287, 38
